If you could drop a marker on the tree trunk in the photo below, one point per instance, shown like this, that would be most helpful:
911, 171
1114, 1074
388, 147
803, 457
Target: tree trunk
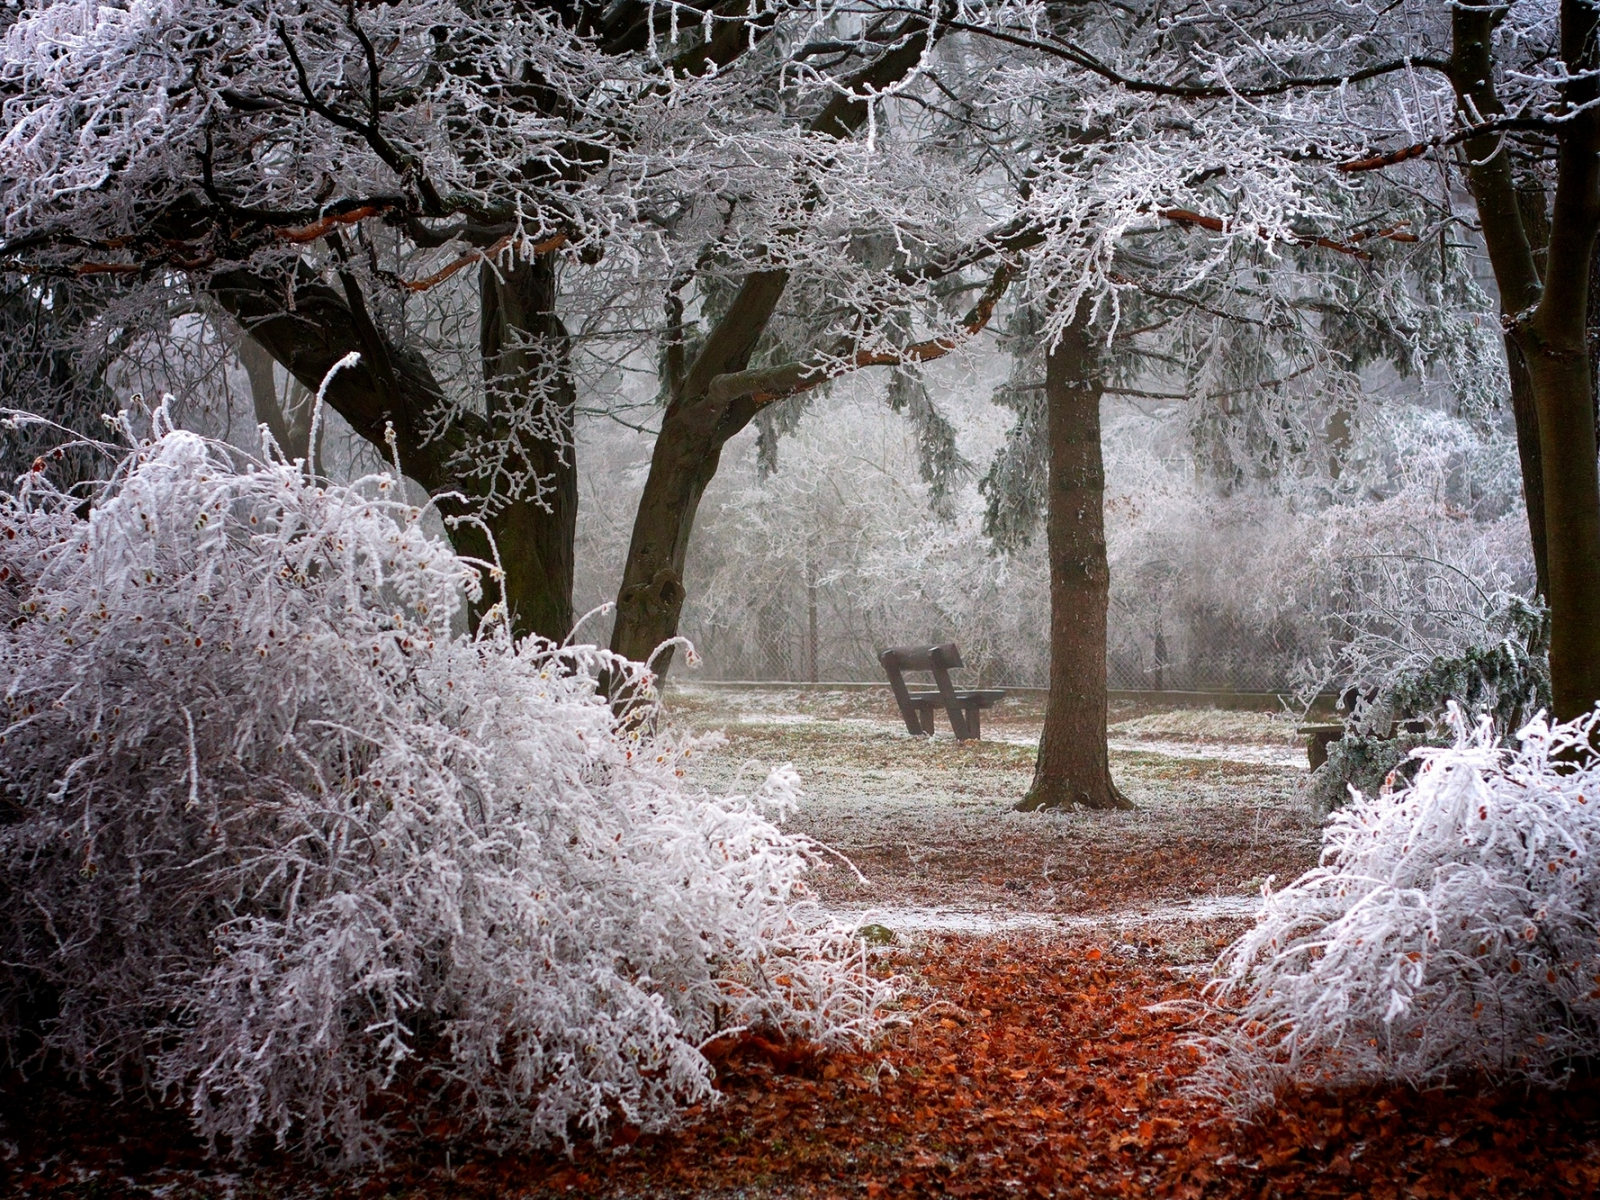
695, 427
1555, 343
289, 424
1548, 318
527, 371
1073, 769
1563, 394
393, 385
1592, 329
258, 366
811, 618
687, 451
1533, 204
1527, 420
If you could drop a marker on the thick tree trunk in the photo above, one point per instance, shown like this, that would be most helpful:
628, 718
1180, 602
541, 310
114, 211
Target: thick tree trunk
1555, 343
393, 384
527, 370
1592, 328
1527, 420
1548, 318
650, 600
1533, 204
1563, 394
696, 426
1073, 769
685, 458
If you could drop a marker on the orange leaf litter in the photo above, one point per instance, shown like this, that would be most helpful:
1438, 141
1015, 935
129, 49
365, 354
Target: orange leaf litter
1031, 1067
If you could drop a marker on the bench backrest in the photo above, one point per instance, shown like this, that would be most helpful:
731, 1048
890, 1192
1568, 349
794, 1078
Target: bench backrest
921, 658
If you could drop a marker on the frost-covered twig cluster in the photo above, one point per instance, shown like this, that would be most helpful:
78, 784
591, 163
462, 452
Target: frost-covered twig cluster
277, 843
1450, 929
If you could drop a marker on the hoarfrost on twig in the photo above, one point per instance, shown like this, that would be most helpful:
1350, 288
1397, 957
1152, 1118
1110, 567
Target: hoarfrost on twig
272, 831
1450, 929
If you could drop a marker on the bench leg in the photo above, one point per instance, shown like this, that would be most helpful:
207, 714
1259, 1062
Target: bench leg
925, 720
964, 722
974, 730
1317, 748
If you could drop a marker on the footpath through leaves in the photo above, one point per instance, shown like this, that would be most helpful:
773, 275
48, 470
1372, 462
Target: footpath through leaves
1031, 1068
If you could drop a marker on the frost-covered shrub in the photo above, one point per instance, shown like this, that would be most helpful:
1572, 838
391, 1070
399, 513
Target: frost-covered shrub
276, 842
1504, 673
1449, 930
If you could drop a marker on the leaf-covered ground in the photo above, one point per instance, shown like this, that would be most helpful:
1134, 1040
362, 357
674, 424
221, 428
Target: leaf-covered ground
1031, 1068
1030, 1063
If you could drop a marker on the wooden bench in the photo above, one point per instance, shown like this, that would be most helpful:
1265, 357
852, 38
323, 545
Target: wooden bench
918, 707
1320, 737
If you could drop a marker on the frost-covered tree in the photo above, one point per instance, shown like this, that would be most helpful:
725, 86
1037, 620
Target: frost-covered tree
315, 169
774, 194
413, 182
1505, 101
1171, 170
1185, 199
854, 241
841, 550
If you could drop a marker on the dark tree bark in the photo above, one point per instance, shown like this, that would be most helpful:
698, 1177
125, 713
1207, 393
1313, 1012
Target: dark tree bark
527, 364
687, 452
1073, 769
393, 384
1593, 330
1527, 423
698, 422
289, 424
1548, 319
1532, 205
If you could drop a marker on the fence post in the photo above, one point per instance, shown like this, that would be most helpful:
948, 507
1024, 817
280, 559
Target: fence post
811, 618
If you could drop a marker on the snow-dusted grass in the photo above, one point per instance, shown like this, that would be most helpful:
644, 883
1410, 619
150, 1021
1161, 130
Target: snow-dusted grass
932, 827
1450, 930
276, 840
1224, 727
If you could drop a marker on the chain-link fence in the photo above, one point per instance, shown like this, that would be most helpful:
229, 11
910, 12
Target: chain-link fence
1207, 651
810, 635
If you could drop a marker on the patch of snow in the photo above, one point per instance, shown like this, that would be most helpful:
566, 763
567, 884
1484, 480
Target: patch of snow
1272, 756
1239, 752
946, 919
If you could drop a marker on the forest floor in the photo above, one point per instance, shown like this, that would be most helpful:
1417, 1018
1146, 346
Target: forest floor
1031, 947
929, 822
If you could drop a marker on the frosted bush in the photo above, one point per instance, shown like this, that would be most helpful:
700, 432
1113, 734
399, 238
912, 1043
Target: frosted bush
1450, 929
276, 842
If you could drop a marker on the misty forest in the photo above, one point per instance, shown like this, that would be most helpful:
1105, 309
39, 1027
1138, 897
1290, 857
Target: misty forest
765, 599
